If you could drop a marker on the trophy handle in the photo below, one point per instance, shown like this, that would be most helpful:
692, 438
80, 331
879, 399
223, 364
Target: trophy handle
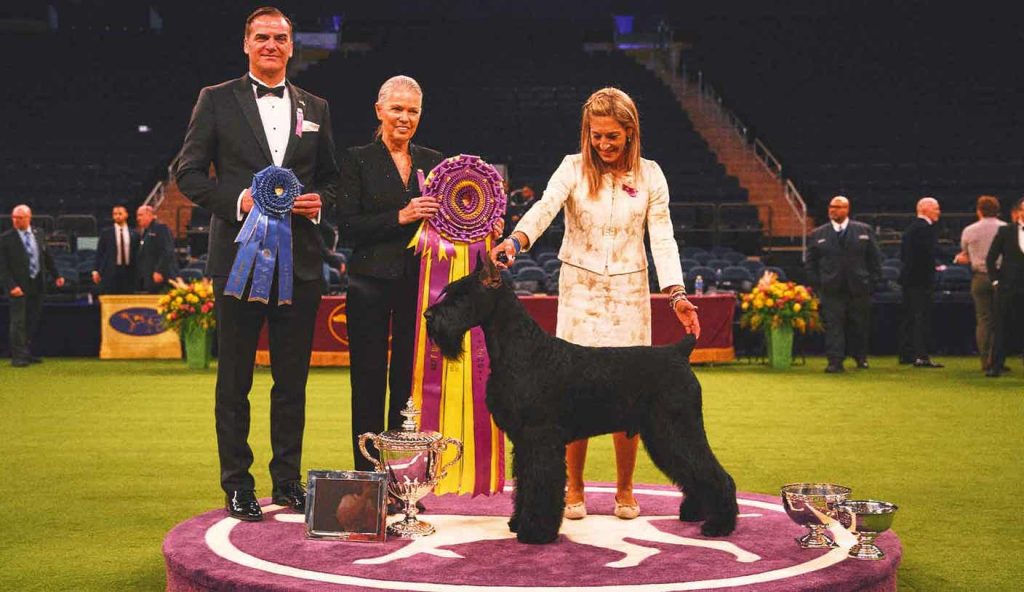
441, 446
362, 448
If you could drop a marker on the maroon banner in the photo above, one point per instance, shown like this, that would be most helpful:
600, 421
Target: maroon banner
330, 339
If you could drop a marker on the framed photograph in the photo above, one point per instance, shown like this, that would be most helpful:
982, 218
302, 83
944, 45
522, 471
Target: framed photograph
346, 505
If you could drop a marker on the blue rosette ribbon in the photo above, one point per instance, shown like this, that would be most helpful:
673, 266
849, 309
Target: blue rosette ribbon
265, 240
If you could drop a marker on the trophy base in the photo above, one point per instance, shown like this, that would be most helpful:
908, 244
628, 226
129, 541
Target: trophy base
867, 552
815, 540
410, 529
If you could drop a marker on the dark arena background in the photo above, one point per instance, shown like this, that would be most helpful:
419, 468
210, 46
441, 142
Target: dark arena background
757, 112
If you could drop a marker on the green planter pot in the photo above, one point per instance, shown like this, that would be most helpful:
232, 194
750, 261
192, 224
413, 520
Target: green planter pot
779, 343
198, 346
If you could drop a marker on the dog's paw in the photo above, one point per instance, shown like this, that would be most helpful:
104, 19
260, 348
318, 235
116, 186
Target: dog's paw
536, 538
718, 527
690, 511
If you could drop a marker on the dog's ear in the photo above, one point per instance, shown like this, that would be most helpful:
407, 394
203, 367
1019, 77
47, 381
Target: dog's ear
489, 275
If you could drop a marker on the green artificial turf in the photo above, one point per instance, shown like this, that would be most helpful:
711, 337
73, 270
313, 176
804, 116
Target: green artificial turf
100, 459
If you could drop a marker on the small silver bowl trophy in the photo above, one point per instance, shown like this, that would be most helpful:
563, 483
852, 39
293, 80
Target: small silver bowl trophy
816, 505
412, 461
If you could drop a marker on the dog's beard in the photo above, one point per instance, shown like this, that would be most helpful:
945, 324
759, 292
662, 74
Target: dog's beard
449, 342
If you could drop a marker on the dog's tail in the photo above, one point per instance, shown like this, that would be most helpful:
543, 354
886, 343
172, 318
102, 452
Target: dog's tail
686, 345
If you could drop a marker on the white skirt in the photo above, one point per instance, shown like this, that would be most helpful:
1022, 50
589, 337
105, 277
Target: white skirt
599, 310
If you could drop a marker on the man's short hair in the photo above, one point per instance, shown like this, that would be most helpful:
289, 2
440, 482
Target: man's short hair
268, 11
988, 206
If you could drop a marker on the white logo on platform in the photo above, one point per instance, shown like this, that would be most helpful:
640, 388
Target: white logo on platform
596, 530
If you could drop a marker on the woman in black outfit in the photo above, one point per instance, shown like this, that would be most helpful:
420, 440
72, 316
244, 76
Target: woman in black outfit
379, 210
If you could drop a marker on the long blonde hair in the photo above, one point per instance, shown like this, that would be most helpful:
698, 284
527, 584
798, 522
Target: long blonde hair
609, 102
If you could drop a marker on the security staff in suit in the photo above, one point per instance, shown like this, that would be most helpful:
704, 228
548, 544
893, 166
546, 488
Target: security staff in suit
917, 251
240, 127
155, 261
23, 255
118, 247
1008, 280
844, 263
379, 209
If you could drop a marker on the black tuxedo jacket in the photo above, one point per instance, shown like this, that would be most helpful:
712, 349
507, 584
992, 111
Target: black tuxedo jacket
14, 263
917, 250
848, 266
156, 254
227, 132
372, 193
1010, 273
106, 254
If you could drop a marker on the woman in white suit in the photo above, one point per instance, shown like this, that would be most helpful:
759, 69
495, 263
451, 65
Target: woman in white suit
610, 195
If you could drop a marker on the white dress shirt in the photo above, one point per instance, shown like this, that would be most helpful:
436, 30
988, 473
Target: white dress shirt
276, 117
123, 243
840, 227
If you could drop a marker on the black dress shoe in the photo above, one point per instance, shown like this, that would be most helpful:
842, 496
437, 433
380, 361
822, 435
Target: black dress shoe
926, 363
834, 368
291, 494
862, 364
993, 373
19, 363
242, 504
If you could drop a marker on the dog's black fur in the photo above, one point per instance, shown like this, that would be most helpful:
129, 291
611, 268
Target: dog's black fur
545, 392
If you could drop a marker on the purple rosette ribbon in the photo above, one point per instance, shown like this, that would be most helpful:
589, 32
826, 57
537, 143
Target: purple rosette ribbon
451, 394
471, 196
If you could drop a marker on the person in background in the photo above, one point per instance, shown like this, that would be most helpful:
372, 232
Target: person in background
1005, 264
155, 259
844, 263
975, 242
114, 271
24, 258
917, 251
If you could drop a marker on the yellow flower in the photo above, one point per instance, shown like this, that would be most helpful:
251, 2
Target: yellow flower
769, 302
192, 299
796, 307
745, 305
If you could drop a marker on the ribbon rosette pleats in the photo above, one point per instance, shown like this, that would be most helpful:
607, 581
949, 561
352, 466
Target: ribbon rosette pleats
265, 240
451, 393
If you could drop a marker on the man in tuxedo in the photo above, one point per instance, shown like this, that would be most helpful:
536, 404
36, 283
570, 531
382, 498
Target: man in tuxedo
240, 127
917, 251
843, 264
1007, 278
23, 255
155, 261
118, 246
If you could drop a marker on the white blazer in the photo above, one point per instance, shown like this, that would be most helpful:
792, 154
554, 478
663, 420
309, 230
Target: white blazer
605, 233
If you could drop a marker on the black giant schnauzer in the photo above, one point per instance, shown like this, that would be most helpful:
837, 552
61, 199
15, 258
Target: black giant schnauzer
545, 392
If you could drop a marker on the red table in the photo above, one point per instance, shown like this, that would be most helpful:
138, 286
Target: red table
330, 339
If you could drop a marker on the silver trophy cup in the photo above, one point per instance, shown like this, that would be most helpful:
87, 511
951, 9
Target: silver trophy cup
411, 460
813, 505
867, 519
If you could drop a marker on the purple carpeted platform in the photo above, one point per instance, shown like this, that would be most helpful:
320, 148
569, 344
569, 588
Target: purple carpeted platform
473, 550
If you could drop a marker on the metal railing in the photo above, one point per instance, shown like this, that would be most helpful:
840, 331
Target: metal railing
710, 102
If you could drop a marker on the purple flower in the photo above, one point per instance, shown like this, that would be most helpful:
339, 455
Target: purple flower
631, 191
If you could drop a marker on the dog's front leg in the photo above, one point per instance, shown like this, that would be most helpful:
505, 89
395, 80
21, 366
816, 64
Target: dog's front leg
538, 465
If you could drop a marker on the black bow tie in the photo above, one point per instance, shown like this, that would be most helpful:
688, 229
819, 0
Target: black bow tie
261, 91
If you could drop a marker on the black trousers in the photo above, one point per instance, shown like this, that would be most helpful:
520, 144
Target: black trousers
290, 328
916, 327
375, 308
25, 312
123, 282
1009, 313
847, 321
